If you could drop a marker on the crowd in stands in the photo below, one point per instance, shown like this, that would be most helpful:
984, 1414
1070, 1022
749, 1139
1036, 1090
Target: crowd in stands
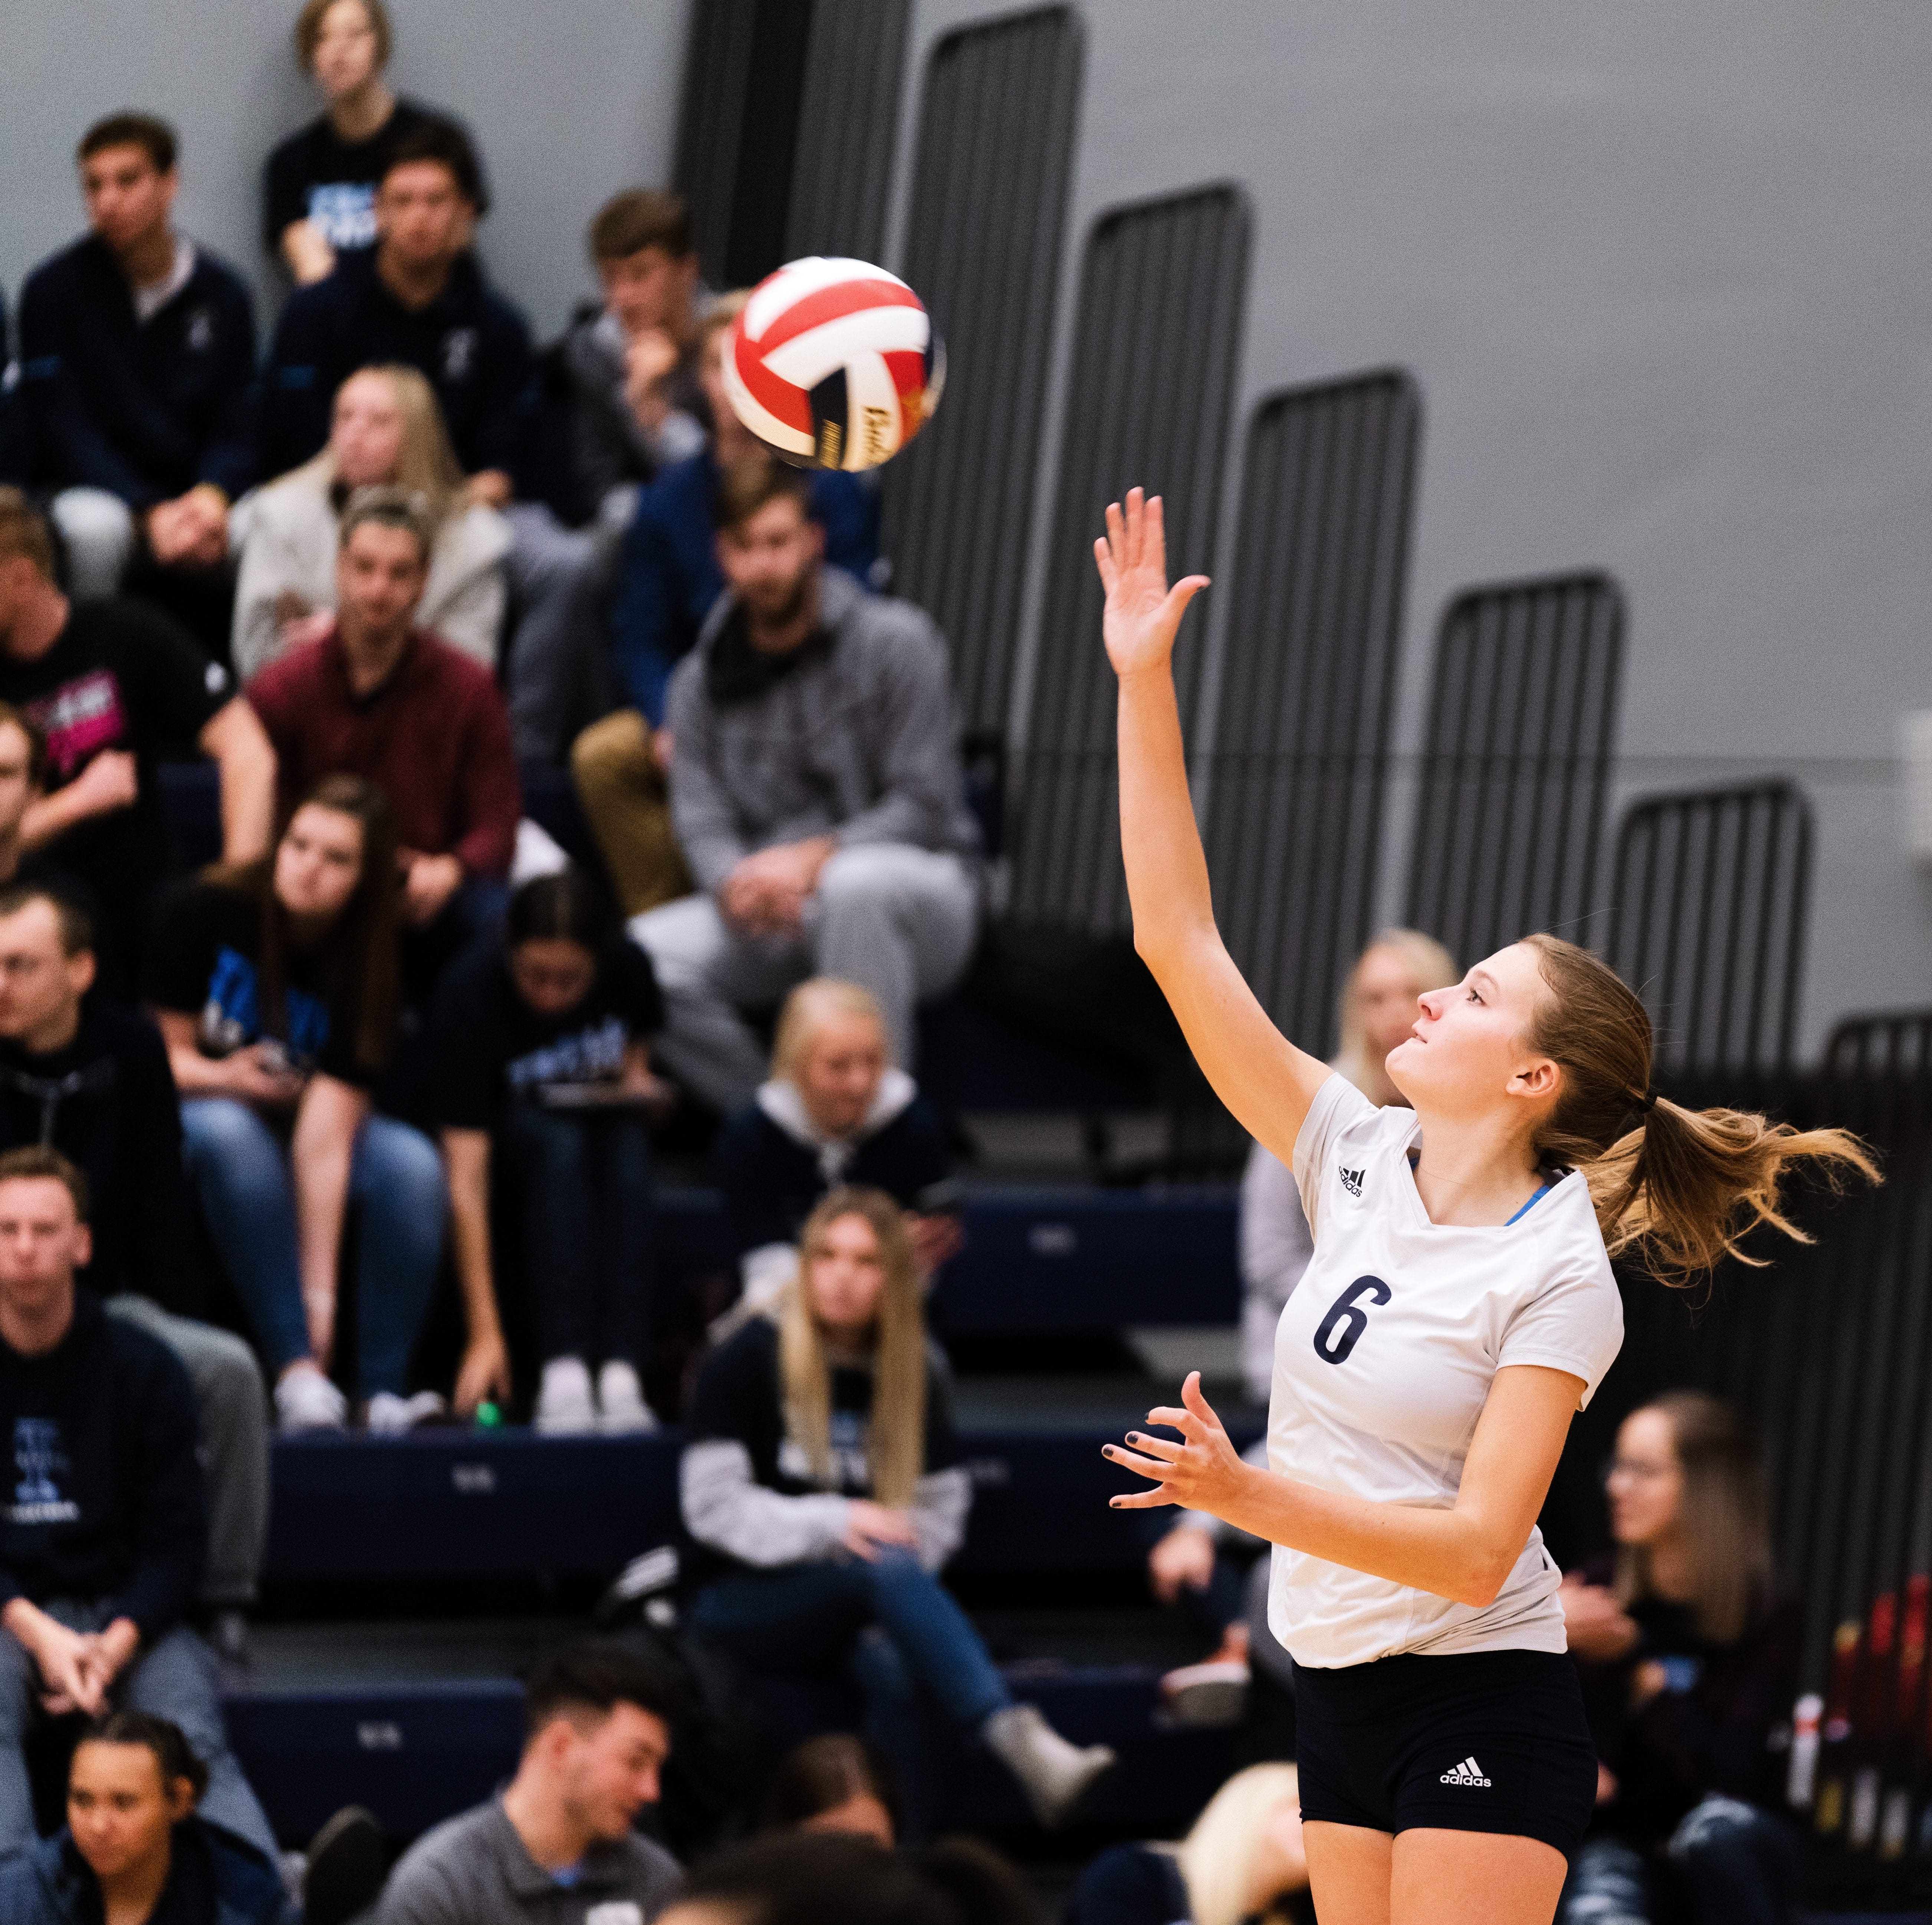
381, 574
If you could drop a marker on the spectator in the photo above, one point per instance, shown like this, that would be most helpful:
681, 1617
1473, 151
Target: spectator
134, 1850
1243, 1859
137, 359
556, 1847
111, 687
817, 1880
1378, 1009
633, 363
540, 1044
834, 1783
319, 187
834, 1110
275, 987
376, 697
817, 793
23, 770
91, 1080
387, 431
418, 298
823, 1492
667, 581
1689, 1665
101, 1549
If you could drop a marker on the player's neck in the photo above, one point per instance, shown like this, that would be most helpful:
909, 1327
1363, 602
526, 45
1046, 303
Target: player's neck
1474, 1172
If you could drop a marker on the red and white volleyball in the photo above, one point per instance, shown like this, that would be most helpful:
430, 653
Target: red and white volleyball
833, 364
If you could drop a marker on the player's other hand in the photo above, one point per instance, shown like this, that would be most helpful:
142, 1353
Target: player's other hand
1203, 1471
1143, 613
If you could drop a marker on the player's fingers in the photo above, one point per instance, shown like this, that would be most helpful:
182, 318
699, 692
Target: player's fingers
1185, 1422
1140, 1501
1136, 528
1117, 534
1195, 1399
1128, 1460
1103, 559
1153, 536
1180, 594
1155, 1446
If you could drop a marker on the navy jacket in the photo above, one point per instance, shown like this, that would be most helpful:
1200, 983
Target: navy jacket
470, 343
668, 577
147, 409
215, 1879
104, 1504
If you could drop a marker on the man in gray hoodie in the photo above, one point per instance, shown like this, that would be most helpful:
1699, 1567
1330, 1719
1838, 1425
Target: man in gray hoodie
816, 788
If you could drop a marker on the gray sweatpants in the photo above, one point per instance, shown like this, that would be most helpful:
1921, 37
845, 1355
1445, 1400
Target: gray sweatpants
897, 920
231, 1406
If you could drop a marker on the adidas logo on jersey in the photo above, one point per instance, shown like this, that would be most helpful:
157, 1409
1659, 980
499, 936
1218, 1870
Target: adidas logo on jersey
1467, 1773
1351, 1180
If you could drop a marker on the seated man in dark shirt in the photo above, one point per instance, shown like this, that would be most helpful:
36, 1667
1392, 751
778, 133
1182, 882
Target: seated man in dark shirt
101, 1545
137, 361
92, 1078
112, 687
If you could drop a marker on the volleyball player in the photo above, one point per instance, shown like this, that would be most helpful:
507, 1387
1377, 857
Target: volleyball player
1459, 1310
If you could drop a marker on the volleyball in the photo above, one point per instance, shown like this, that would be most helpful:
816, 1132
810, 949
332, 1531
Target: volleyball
833, 364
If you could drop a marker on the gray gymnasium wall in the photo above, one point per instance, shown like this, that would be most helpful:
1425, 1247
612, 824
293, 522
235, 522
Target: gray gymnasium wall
1664, 273
568, 102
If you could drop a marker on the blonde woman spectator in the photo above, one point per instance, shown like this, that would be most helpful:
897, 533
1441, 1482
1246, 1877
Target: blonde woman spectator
1242, 1860
386, 429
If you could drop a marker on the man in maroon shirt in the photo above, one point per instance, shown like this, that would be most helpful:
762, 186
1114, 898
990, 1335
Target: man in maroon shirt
377, 696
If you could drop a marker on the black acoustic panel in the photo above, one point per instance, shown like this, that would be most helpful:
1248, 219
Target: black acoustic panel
1156, 340
717, 65
848, 122
1307, 686
1708, 924
983, 235
1516, 765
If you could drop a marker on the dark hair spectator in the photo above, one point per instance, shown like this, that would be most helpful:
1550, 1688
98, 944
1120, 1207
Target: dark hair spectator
667, 581
386, 429
834, 1110
83, 1079
640, 217
374, 696
112, 686
835, 1781
446, 143
781, 810
137, 392
104, 1541
275, 986
800, 1545
541, 1077
746, 487
599, 1723
319, 186
1689, 1663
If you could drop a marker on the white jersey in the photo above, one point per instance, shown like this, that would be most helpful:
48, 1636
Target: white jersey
1383, 1358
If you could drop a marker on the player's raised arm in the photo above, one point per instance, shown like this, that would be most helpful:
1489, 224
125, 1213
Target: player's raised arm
1264, 1081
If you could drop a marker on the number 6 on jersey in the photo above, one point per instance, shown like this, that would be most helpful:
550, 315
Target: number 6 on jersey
1346, 1312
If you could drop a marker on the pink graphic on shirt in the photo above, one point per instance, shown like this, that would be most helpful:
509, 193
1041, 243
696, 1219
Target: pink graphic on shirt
79, 718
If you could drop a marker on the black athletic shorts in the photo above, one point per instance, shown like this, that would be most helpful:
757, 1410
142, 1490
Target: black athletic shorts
1478, 1741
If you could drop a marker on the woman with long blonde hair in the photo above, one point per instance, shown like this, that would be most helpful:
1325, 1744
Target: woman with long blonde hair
822, 1489
1458, 1311
386, 430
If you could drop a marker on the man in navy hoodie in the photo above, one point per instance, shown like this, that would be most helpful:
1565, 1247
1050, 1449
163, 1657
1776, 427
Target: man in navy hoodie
137, 365
102, 1534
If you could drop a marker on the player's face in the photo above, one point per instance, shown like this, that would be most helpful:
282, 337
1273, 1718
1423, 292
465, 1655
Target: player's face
118, 1809
366, 434
318, 862
345, 49
127, 196
649, 289
845, 1277
839, 1070
552, 973
378, 579
771, 560
1387, 997
40, 985
1465, 1049
609, 1769
422, 214
1646, 1481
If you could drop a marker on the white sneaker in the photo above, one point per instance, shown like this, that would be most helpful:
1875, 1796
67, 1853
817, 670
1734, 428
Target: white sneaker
1214, 1693
620, 1400
564, 1408
1054, 1773
390, 1415
305, 1399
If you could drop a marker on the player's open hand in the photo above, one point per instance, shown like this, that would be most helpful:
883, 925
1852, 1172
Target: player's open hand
1204, 1470
1143, 613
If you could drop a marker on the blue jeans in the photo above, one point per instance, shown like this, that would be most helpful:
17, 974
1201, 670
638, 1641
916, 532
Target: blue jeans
239, 1168
1727, 1863
584, 1180
171, 1678
888, 1625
